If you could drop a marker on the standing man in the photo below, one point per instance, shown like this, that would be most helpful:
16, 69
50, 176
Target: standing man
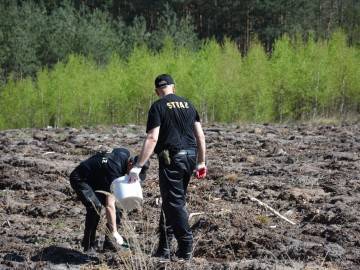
96, 174
175, 134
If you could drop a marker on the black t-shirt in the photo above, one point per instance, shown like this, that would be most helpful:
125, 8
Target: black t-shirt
176, 117
103, 168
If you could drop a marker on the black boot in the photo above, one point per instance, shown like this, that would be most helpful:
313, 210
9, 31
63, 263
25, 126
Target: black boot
109, 244
166, 236
88, 242
185, 249
164, 248
91, 223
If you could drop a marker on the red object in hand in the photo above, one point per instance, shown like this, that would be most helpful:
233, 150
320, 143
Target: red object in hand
134, 174
200, 171
131, 180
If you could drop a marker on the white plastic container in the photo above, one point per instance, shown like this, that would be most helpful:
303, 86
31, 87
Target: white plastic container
128, 195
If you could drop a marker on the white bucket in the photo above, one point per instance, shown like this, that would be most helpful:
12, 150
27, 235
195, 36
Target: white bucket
128, 195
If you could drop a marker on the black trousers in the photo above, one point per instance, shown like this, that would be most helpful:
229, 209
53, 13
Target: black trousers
174, 179
91, 200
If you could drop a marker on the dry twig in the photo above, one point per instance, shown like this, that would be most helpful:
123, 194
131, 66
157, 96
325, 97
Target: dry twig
195, 214
272, 210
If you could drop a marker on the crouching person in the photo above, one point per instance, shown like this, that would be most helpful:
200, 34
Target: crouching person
96, 174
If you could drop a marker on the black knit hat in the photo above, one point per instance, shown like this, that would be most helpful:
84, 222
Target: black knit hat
163, 80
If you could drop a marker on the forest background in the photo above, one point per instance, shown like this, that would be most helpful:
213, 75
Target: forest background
75, 63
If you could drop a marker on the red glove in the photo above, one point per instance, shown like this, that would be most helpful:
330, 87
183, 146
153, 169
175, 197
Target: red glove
200, 170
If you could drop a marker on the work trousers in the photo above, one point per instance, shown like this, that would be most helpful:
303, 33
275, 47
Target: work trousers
174, 179
91, 200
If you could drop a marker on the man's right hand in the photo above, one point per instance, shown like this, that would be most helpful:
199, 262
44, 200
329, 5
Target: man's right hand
200, 170
134, 174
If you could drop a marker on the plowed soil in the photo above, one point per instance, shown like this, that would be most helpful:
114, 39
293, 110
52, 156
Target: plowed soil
275, 197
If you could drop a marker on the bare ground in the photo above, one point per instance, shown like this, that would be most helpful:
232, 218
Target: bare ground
276, 197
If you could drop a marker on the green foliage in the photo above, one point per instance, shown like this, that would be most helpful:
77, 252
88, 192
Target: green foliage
95, 35
282, 66
138, 33
37, 34
59, 36
257, 98
263, 219
113, 91
204, 83
182, 31
20, 29
227, 92
300, 81
139, 83
18, 104
341, 77
59, 224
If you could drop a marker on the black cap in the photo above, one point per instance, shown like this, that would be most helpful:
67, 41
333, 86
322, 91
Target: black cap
144, 168
163, 80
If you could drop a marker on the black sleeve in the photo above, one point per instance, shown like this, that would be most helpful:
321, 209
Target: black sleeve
154, 119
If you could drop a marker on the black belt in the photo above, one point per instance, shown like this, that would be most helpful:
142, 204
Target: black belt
185, 152
181, 153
